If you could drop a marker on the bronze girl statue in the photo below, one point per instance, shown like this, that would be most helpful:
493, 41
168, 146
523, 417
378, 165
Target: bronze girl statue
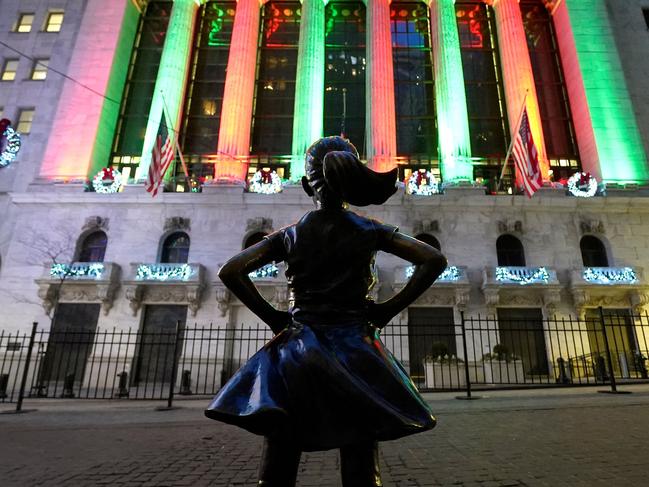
326, 380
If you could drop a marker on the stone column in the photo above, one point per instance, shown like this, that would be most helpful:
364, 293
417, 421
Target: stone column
309, 84
236, 113
381, 117
169, 92
610, 145
450, 93
518, 76
86, 120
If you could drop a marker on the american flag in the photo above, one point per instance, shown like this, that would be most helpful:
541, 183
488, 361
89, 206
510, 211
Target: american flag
163, 154
526, 158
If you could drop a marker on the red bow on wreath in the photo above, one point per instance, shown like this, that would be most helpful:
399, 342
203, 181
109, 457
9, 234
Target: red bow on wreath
107, 174
266, 177
584, 179
4, 124
421, 179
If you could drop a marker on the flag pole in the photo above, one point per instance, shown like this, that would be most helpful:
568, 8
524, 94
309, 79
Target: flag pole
511, 144
174, 137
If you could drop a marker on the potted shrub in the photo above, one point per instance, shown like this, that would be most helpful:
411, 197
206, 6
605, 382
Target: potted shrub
502, 367
443, 371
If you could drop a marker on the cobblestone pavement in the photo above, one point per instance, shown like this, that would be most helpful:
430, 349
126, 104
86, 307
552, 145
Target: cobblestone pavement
510, 438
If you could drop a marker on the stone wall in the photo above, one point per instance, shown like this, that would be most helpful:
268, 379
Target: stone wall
464, 220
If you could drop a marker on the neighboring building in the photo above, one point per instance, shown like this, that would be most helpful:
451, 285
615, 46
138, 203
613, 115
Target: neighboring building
433, 88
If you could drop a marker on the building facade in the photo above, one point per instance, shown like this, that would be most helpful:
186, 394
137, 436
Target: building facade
436, 89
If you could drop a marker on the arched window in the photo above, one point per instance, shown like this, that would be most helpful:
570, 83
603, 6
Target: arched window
510, 251
430, 240
175, 249
254, 238
593, 252
93, 247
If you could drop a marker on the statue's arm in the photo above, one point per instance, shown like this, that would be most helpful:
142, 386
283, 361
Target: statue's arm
429, 264
234, 275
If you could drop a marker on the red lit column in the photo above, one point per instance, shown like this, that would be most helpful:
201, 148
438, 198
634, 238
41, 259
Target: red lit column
584, 132
236, 114
381, 119
85, 121
517, 73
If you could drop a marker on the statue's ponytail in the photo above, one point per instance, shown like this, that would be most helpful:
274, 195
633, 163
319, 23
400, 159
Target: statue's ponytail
334, 171
354, 182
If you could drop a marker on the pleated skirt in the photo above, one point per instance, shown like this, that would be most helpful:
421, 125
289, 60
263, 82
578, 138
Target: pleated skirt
323, 387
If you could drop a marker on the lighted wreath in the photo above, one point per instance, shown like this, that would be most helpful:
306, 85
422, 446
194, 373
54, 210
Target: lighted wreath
582, 185
107, 181
9, 143
423, 183
265, 181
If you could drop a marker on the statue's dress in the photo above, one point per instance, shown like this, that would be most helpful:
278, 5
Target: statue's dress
327, 380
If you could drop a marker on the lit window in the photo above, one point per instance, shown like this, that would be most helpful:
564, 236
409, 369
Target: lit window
9, 70
25, 22
54, 22
39, 71
25, 120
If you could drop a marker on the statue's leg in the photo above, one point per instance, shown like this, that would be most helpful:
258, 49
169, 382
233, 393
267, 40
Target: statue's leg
359, 465
279, 463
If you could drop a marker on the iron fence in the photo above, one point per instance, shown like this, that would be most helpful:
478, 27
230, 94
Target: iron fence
602, 348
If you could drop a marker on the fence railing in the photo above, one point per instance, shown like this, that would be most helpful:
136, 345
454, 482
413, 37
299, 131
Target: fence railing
602, 348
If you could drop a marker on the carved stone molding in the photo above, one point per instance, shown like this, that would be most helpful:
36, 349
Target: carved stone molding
177, 223
222, 298
259, 224
134, 295
95, 223
165, 283
83, 282
425, 226
510, 226
521, 287
627, 295
591, 226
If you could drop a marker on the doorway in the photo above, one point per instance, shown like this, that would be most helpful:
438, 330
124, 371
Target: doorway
521, 333
71, 339
431, 333
157, 341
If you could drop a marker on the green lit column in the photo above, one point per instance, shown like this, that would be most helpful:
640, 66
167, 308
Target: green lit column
620, 151
172, 76
309, 84
450, 94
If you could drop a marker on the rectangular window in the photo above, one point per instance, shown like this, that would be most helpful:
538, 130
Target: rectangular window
24, 23
275, 90
39, 70
414, 89
345, 62
25, 119
54, 22
204, 97
9, 70
550, 88
138, 91
484, 90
